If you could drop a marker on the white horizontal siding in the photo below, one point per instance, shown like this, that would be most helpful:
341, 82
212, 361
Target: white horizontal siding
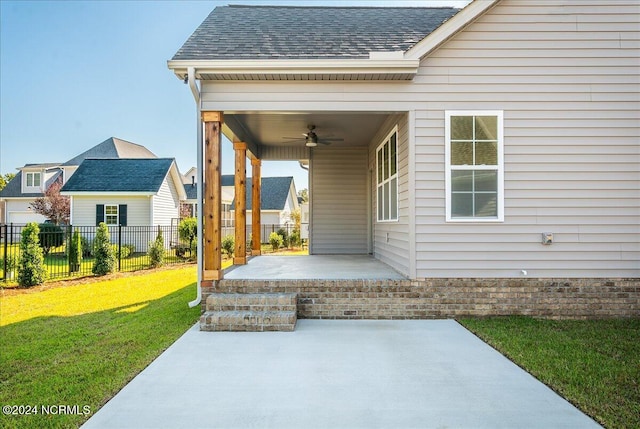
166, 203
339, 201
83, 209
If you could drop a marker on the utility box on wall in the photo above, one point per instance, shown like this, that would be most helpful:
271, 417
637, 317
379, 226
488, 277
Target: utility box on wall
547, 238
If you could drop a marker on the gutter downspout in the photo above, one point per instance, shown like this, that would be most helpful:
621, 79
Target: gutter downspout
199, 185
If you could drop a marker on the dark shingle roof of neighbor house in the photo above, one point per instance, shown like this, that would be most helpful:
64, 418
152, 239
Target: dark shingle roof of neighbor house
291, 32
119, 175
112, 148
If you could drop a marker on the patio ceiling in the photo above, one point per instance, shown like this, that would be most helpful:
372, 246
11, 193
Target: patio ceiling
271, 128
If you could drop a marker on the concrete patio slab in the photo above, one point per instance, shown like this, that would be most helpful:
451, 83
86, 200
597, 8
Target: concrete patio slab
337, 374
327, 267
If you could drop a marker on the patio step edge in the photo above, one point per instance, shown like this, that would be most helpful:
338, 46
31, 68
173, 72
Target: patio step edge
248, 321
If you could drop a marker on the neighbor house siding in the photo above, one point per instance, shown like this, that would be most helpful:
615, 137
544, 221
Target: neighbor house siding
166, 203
84, 209
391, 239
339, 201
18, 211
566, 77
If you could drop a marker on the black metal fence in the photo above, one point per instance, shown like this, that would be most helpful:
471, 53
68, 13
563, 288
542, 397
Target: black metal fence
130, 245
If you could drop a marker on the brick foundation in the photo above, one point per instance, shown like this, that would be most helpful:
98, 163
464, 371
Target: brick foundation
447, 298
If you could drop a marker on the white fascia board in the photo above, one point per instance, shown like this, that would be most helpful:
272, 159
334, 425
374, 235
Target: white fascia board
354, 66
451, 27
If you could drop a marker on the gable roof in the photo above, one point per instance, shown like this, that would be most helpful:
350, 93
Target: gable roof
292, 32
274, 192
14, 187
119, 175
112, 148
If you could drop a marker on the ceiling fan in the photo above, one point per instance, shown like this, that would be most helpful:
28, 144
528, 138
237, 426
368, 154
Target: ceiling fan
311, 139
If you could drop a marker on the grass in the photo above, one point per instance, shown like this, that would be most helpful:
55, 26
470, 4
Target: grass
595, 364
80, 343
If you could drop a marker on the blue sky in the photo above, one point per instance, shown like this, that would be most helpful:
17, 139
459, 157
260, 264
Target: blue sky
74, 73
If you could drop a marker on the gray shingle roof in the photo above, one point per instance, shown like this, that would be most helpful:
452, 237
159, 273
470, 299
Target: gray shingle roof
112, 148
273, 193
119, 175
280, 32
14, 187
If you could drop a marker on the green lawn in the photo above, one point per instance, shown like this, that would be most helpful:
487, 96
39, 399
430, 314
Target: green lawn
595, 364
80, 344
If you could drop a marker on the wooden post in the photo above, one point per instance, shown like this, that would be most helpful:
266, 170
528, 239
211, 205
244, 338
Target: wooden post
256, 183
240, 254
212, 246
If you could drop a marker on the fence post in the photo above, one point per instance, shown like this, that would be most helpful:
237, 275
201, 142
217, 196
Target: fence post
6, 256
67, 248
119, 246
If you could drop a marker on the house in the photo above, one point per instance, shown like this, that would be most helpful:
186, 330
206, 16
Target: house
126, 192
33, 180
278, 199
483, 153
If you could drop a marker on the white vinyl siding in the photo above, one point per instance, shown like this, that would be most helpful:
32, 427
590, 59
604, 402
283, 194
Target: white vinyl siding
83, 209
18, 211
565, 74
166, 203
339, 201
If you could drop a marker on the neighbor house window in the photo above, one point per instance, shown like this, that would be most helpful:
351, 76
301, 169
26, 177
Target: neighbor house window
33, 180
474, 166
387, 178
111, 214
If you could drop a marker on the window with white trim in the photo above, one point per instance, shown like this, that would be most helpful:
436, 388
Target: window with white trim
33, 180
474, 166
387, 178
111, 215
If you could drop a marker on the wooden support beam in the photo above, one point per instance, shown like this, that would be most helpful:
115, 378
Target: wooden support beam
212, 204
240, 254
256, 183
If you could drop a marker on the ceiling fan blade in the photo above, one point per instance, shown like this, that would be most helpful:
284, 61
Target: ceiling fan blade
324, 142
333, 139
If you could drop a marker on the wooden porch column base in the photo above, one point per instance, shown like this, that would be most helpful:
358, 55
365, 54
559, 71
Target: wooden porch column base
239, 260
208, 275
256, 252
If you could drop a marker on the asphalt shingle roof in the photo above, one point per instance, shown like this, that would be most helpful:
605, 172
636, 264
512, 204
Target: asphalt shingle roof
14, 187
112, 148
119, 175
280, 32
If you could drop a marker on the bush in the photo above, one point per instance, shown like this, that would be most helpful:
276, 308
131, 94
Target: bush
75, 252
275, 240
294, 238
285, 237
50, 236
188, 230
12, 264
157, 251
126, 250
31, 269
105, 259
87, 247
229, 245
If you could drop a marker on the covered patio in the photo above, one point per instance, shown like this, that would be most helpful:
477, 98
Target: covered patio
319, 267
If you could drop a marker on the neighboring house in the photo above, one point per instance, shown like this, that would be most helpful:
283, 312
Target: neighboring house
469, 137
33, 180
126, 192
277, 199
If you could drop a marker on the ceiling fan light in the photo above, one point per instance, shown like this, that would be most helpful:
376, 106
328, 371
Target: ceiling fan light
311, 143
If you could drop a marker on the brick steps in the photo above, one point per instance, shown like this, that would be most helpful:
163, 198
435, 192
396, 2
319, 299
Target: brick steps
253, 312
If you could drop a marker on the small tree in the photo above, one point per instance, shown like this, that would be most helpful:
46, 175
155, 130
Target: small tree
31, 269
105, 259
188, 230
275, 240
75, 252
157, 251
229, 245
50, 236
53, 206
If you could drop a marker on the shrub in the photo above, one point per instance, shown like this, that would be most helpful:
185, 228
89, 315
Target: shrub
75, 252
275, 240
229, 245
188, 230
294, 238
126, 250
12, 264
31, 269
105, 260
50, 236
157, 251
285, 237
87, 247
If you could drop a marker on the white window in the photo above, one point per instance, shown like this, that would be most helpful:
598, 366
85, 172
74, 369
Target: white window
33, 180
387, 177
474, 166
111, 214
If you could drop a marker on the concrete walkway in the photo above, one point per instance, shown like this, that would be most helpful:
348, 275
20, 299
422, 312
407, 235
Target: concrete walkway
337, 374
